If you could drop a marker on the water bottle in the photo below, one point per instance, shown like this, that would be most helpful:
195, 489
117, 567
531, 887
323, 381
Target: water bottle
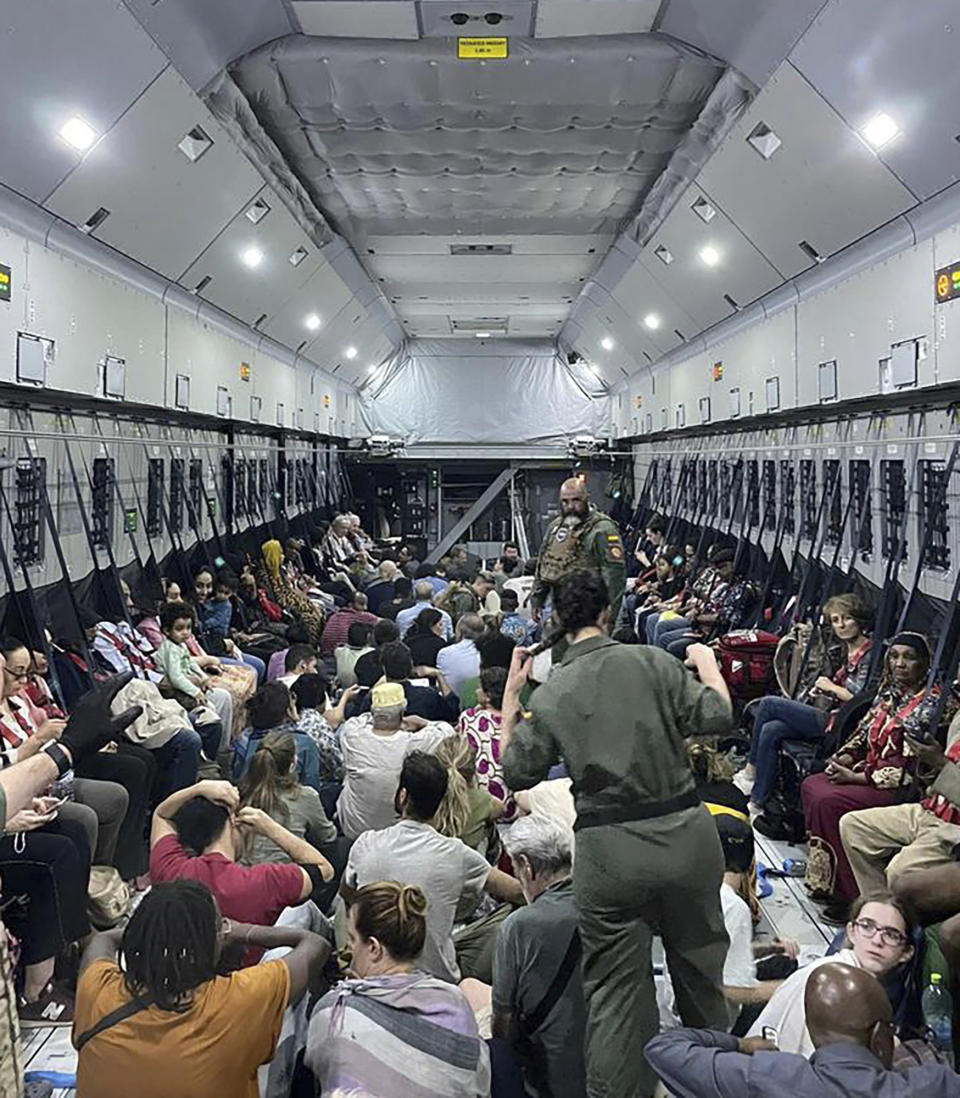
938, 1013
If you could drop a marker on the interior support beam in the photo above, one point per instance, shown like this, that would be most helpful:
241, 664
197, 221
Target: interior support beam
469, 516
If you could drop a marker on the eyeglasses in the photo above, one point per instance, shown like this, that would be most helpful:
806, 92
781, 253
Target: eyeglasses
17, 674
889, 935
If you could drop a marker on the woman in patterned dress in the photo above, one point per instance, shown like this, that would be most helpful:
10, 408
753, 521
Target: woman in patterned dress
481, 725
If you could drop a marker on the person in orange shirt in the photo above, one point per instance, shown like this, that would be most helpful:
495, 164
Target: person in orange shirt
165, 1023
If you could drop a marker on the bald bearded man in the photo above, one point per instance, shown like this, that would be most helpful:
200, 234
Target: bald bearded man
580, 537
850, 1022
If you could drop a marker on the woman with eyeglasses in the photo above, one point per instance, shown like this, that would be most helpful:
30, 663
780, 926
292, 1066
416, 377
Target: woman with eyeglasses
878, 939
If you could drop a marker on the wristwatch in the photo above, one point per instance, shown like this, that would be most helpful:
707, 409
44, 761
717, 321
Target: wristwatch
60, 757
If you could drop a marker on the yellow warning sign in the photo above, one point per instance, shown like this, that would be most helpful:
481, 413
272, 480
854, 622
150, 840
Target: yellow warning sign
470, 49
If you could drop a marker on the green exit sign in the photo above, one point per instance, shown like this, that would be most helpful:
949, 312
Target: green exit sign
5, 279
129, 522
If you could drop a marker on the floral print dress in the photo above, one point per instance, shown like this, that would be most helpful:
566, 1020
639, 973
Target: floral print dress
482, 729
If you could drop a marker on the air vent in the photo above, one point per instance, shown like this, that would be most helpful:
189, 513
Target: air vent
704, 210
664, 255
95, 220
763, 140
297, 257
811, 252
257, 211
194, 144
481, 249
202, 284
491, 324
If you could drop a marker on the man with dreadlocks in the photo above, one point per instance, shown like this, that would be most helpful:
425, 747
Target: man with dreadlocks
167, 1024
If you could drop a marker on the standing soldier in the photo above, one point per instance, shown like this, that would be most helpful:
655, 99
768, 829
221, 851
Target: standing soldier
579, 538
649, 860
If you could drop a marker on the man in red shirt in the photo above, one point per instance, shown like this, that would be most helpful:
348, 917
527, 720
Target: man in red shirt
196, 835
335, 631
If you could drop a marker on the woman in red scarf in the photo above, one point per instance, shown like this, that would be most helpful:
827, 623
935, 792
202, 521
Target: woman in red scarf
870, 770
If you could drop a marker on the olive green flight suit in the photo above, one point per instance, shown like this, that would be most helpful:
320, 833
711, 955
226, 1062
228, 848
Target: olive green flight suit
571, 543
648, 858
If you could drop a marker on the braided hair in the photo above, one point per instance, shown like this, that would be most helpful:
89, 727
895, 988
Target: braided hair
171, 944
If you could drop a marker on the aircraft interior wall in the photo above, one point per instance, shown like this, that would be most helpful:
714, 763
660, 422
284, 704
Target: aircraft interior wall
879, 333
836, 489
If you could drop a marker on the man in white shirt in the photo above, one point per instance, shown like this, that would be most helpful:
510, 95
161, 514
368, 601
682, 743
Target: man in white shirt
413, 852
423, 593
374, 746
460, 662
301, 659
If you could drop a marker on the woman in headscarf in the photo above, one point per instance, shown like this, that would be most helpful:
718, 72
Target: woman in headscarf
274, 579
871, 769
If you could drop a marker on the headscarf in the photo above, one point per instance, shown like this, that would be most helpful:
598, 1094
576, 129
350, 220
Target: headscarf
272, 552
917, 641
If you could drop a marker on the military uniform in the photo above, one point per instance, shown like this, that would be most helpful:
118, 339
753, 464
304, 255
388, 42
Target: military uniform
649, 860
592, 542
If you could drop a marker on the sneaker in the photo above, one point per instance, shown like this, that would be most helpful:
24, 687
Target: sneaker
743, 782
53, 1008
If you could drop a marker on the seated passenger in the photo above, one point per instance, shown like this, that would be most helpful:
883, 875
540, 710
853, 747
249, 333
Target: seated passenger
722, 611
214, 614
778, 719
391, 1029
295, 634
402, 600
702, 586
275, 578
496, 650
338, 625
852, 1030
537, 958
320, 722
467, 811
381, 590
512, 623
461, 661
415, 853
439, 703
272, 709
367, 668
374, 746
358, 644
425, 637
882, 844
870, 770
300, 659
191, 685
197, 835
877, 941
481, 726
423, 593
184, 1039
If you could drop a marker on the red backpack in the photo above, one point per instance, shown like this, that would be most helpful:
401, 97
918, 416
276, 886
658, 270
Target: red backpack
745, 657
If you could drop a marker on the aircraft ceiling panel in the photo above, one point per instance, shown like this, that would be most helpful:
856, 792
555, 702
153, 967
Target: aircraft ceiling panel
249, 292
739, 270
324, 294
480, 295
349, 328
541, 244
94, 66
867, 57
641, 295
347, 18
823, 185
202, 37
453, 269
568, 18
163, 208
753, 36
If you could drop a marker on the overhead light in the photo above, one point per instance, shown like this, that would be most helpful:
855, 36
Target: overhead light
257, 211
652, 321
482, 335
710, 255
664, 255
312, 322
763, 140
252, 257
880, 130
606, 343
372, 368
704, 210
297, 257
81, 135
350, 352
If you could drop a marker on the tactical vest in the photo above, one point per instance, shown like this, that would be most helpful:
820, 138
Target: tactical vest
567, 547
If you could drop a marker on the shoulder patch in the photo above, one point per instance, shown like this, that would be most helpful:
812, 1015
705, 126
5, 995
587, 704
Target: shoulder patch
613, 537
616, 552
